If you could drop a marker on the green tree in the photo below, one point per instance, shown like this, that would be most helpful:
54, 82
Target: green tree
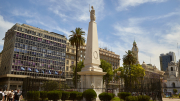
129, 60
80, 65
106, 67
50, 85
137, 73
77, 39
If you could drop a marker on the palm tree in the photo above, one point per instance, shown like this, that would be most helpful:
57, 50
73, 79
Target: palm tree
77, 39
129, 59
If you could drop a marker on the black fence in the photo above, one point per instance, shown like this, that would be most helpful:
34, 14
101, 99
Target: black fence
111, 84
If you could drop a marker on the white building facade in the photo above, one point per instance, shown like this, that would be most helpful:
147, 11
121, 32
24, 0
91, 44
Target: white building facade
172, 81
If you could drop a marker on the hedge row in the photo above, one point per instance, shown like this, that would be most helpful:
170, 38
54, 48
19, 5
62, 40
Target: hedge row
63, 95
123, 95
106, 96
89, 94
127, 97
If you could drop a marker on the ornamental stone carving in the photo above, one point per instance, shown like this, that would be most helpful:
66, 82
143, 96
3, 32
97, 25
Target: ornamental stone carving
92, 14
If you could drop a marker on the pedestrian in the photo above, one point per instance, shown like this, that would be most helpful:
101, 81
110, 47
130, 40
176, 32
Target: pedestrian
15, 90
1, 95
17, 95
8, 94
5, 94
11, 95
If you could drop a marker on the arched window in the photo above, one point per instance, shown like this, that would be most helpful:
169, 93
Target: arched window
171, 68
173, 85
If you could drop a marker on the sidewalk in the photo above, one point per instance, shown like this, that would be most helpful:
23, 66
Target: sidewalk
167, 99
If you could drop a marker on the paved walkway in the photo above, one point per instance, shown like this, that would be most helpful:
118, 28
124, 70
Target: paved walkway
167, 99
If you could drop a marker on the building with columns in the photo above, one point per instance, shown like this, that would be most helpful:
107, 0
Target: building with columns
151, 71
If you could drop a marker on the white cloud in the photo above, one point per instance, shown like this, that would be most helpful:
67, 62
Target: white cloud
23, 12
151, 43
77, 10
4, 26
125, 4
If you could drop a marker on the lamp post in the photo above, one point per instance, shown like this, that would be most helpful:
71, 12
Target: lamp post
119, 73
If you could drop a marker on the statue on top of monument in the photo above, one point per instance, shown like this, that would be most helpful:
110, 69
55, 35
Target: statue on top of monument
92, 14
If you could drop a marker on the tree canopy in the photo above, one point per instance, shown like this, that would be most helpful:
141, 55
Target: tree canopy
107, 67
129, 58
137, 73
77, 39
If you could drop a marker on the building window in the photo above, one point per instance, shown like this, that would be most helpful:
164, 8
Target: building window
67, 68
72, 57
67, 50
72, 50
67, 62
67, 56
171, 68
72, 62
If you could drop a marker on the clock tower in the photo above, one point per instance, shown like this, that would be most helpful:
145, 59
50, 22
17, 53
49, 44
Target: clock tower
135, 50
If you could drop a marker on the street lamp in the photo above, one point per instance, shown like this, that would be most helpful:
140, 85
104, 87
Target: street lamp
119, 73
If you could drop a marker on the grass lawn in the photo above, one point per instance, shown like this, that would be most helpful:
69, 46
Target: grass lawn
116, 99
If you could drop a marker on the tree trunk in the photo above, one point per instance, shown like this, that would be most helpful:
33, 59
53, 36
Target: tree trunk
76, 67
130, 76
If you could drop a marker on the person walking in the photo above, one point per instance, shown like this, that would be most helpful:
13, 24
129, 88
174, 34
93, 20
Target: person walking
5, 94
8, 94
1, 95
17, 95
11, 96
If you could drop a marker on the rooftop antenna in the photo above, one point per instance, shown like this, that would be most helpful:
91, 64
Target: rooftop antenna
150, 59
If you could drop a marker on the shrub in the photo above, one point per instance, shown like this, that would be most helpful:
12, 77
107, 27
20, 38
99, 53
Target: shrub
113, 95
54, 95
106, 96
79, 96
123, 95
43, 95
33, 95
65, 95
89, 94
131, 98
73, 95
143, 98
175, 91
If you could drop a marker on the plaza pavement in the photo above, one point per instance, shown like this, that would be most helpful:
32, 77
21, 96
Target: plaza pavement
167, 99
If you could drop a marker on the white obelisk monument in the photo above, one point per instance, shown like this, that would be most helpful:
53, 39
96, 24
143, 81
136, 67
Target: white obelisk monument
92, 74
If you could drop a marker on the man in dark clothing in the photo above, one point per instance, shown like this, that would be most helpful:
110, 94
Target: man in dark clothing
17, 95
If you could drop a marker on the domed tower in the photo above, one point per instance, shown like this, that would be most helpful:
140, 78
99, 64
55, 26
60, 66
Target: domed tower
135, 50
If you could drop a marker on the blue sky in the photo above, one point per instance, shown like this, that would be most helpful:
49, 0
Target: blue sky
154, 24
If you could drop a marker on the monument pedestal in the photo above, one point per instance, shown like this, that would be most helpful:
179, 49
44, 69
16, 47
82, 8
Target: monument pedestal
92, 80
